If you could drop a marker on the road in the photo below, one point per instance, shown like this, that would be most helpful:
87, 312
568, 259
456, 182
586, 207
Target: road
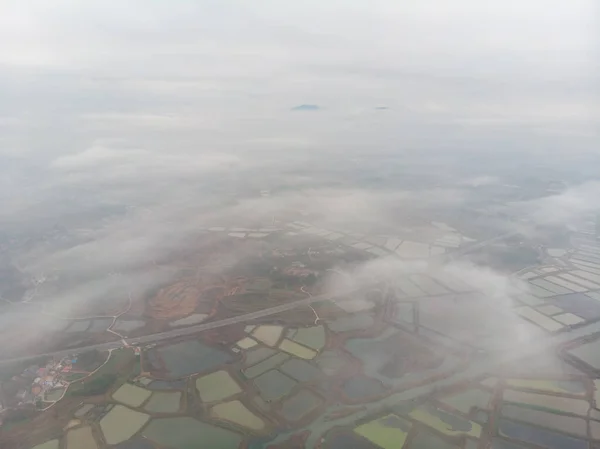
146, 339
152, 338
481, 244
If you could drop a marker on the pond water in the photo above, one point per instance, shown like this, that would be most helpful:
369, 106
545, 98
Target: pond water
561, 423
574, 406
265, 365
256, 355
553, 386
164, 402
385, 357
189, 433
131, 395
268, 334
300, 405
217, 386
465, 400
274, 385
347, 439
246, 343
81, 438
136, 443
446, 423
300, 370
541, 437
355, 305
502, 444
424, 440
52, 444
145, 381
388, 432
312, 337
168, 385
296, 349
121, 423
360, 387
237, 413
191, 356
331, 363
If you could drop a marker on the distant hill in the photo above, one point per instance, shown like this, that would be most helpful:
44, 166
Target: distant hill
306, 107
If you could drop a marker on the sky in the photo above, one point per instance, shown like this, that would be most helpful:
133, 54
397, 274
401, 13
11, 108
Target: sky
153, 90
223, 75
111, 109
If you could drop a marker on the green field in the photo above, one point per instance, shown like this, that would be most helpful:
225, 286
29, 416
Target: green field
116, 369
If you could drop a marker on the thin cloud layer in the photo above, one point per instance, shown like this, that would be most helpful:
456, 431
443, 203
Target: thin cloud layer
494, 312
569, 207
131, 164
127, 127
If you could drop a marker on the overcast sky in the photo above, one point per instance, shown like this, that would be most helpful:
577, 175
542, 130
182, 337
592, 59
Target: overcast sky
146, 92
124, 98
225, 74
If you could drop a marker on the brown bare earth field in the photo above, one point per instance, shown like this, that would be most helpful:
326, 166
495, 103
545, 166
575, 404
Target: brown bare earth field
175, 301
186, 296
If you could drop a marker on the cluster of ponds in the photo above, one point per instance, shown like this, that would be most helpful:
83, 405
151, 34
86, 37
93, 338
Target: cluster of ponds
275, 382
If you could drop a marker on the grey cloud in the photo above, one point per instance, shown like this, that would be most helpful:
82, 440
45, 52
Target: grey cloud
284, 47
139, 164
569, 207
496, 294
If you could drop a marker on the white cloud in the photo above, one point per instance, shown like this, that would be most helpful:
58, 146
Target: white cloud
572, 205
139, 165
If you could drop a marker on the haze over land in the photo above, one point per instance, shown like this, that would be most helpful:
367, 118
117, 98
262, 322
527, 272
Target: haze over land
165, 166
147, 114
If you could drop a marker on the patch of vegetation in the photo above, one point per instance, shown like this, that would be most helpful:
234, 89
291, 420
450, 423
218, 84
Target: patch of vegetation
288, 281
252, 267
40, 405
117, 368
89, 361
15, 417
95, 386
73, 377
137, 368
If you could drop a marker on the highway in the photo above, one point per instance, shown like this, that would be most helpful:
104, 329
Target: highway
152, 338
476, 246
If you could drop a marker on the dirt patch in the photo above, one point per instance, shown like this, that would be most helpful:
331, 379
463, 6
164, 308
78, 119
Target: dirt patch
183, 298
175, 301
36, 428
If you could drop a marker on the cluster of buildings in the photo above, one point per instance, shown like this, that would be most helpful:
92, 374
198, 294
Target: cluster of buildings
42, 379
